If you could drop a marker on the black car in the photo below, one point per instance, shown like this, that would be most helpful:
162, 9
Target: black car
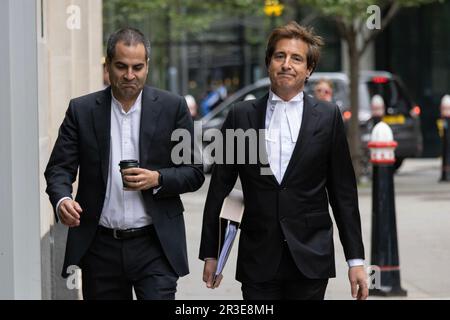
400, 112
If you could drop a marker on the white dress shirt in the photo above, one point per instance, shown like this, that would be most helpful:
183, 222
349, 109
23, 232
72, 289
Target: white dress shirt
283, 122
123, 209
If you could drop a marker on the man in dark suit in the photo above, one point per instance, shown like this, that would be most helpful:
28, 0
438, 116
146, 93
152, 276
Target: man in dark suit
134, 237
286, 242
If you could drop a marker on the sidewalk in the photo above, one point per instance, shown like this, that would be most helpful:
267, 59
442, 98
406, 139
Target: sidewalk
423, 224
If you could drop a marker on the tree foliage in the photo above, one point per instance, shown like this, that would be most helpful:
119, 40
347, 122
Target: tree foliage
350, 17
185, 16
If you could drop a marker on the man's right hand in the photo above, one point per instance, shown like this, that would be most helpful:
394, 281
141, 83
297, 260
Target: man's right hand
208, 274
69, 213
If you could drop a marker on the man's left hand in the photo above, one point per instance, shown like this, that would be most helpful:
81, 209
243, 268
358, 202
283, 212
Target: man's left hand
358, 282
138, 179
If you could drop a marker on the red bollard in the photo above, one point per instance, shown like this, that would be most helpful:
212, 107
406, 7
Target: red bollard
445, 115
384, 227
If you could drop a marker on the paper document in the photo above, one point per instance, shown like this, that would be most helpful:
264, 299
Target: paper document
231, 216
230, 235
233, 206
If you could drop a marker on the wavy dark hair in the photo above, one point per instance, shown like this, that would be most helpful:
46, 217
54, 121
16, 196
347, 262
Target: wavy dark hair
295, 31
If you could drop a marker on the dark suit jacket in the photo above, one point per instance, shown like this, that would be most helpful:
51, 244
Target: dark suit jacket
84, 143
320, 172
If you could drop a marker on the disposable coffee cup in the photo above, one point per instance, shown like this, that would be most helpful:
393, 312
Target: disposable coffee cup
126, 164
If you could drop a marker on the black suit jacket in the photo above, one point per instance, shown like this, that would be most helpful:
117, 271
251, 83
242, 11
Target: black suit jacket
84, 143
320, 172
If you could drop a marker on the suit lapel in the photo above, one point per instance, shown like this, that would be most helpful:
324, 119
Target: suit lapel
258, 117
309, 122
102, 126
151, 109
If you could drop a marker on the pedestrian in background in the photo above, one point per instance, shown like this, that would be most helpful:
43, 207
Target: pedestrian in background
323, 90
192, 105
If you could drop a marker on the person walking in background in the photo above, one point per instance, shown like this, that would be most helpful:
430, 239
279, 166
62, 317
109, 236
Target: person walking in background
192, 105
131, 238
323, 90
213, 97
286, 243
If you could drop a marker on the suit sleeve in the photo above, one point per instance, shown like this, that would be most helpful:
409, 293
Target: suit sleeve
62, 166
342, 192
187, 176
223, 179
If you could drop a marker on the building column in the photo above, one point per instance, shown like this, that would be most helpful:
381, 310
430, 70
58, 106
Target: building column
20, 252
70, 65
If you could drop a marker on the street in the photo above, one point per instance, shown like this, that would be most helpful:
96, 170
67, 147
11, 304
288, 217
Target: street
423, 224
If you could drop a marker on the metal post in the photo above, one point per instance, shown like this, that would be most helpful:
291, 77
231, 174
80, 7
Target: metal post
384, 252
445, 114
